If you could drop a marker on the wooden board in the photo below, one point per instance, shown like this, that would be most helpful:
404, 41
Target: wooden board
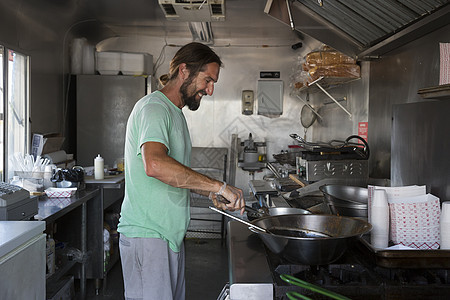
297, 180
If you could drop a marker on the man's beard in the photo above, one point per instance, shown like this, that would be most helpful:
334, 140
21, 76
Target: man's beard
190, 101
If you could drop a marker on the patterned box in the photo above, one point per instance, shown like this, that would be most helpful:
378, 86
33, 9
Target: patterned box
415, 222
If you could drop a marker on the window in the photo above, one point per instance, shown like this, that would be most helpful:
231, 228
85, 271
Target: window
14, 107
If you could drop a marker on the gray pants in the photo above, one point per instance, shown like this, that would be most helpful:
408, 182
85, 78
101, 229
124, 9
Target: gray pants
151, 270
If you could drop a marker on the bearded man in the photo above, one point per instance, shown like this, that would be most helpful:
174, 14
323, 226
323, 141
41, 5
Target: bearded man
158, 181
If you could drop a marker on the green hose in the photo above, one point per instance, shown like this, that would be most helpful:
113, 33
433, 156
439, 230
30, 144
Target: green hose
295, 296
309, 286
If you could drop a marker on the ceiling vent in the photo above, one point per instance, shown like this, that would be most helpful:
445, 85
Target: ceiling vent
193, 10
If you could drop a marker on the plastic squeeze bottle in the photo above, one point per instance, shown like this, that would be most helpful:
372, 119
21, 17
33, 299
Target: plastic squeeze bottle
98, 167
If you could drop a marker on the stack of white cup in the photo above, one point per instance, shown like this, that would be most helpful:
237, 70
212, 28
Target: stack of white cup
48, 173
445, 225
379, 216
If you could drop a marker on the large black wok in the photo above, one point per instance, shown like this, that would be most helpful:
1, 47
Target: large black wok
310, 239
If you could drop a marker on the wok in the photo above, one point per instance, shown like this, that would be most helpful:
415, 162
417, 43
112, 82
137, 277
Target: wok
327, 236
277, 211
350, 201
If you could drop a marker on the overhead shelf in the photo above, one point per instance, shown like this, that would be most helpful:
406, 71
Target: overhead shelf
439, 92
326, 82
322, 83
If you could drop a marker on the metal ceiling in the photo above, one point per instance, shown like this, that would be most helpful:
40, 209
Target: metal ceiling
360, 27
368, 22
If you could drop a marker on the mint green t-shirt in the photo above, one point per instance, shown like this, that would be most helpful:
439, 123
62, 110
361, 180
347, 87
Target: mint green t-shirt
150, 207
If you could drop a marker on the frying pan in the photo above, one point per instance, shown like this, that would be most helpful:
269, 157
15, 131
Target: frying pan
294, 232
307, 239
337, 234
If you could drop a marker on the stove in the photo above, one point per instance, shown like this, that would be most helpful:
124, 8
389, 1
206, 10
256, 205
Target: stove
255, 274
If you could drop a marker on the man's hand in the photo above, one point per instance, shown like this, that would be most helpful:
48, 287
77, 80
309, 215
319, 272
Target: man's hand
234, 199
218, 201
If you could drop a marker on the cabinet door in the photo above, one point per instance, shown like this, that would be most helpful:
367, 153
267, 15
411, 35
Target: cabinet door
270, 97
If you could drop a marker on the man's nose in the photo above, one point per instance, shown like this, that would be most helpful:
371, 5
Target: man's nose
210, 89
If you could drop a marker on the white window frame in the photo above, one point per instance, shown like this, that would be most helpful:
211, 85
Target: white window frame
7, 173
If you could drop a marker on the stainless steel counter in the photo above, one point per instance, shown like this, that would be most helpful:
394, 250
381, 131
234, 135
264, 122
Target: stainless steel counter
112, 188
109, 179
51, 209
75, 212
112, 191
250, 276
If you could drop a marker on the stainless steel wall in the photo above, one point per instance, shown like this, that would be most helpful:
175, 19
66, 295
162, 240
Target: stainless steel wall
335, 122
28, 28
220, 116
419, 145
45, 32
395, 79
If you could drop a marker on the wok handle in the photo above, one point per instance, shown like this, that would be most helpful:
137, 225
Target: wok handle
237, 219
309, 286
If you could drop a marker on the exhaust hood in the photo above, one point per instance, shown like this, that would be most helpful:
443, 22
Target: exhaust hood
193, 10
360, 28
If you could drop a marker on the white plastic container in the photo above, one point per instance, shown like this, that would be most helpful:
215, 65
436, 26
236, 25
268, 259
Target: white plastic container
48, 173
88, 59
107, 63
379, 236
136, 63
99, 166
51, 256
445, 225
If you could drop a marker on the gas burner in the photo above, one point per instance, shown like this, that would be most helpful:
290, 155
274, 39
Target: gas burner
355, 275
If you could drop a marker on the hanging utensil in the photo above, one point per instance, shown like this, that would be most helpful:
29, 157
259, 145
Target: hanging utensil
307, 116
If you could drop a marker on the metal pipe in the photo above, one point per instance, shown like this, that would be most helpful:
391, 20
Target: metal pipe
309, 106
331, 97
291, 20
83, 250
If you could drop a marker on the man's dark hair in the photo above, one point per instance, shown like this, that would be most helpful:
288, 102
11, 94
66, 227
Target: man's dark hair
196, 56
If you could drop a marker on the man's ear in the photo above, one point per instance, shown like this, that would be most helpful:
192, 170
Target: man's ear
183, 71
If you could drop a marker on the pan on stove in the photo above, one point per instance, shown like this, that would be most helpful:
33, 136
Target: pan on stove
310, 239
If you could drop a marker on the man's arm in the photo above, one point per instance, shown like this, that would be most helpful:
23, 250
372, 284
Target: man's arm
159, 165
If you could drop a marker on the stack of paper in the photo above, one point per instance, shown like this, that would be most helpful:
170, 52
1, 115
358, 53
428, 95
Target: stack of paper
414, 216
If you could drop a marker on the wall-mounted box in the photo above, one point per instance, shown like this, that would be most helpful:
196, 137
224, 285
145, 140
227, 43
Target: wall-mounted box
247, 102
270, 97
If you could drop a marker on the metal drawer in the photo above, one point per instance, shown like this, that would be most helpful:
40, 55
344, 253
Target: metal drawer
23, 210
